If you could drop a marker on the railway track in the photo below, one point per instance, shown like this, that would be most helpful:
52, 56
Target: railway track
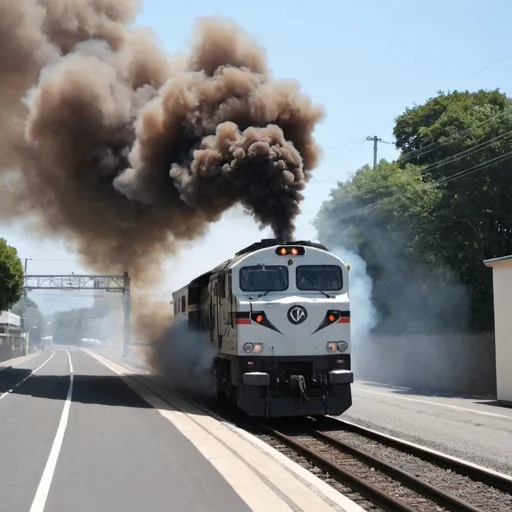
384, 483
488, 477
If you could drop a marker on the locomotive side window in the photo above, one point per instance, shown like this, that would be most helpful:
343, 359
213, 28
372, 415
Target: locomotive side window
319, 277
259, 278
183, 304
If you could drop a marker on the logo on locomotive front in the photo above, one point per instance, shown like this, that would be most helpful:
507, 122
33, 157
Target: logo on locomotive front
297, 315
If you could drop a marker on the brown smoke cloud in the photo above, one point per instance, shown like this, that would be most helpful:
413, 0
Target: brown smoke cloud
127, 152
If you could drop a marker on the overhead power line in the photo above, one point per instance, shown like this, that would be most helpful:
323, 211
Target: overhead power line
457, 135
435, 145
448, 160
441, 181
453, 158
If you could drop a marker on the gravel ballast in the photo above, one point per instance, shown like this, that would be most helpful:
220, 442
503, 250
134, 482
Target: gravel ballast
476, 493
299, 459
370, 475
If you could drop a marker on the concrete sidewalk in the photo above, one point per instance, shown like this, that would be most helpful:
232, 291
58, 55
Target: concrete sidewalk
8, 364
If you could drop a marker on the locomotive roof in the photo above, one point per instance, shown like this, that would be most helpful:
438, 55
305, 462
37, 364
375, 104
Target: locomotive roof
203, 279
272, 242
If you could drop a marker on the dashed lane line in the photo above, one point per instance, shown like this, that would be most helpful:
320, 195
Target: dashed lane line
33, 372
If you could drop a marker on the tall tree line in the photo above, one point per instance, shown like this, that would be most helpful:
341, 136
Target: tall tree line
425, 222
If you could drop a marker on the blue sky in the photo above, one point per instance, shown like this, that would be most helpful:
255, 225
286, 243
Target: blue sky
365, 61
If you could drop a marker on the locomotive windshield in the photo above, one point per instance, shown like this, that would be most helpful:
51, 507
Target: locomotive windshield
264, 278
319, 277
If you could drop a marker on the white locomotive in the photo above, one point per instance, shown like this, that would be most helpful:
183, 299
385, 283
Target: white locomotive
278, 317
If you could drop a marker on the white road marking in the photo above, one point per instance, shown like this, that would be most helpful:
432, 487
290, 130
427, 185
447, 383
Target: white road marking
44, 485
132, 368
428, 402
116, 362
3, 395
120, 363
104, 363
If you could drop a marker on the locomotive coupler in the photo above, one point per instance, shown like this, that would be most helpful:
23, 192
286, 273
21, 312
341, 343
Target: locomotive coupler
299, 382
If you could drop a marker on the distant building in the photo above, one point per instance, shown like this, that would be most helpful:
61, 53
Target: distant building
9, 320
12, 340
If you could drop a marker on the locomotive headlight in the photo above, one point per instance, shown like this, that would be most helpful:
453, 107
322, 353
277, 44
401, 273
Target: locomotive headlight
254, 348
258, 347
332, 346
342, 346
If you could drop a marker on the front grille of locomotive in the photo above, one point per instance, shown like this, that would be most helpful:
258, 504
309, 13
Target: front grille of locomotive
285, 375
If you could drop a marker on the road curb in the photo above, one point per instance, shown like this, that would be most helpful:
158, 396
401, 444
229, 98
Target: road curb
3, 368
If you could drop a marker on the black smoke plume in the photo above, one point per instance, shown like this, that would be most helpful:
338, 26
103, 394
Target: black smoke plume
126, 152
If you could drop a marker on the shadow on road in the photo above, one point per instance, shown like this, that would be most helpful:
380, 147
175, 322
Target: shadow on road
104, 390
495, 403
425, 393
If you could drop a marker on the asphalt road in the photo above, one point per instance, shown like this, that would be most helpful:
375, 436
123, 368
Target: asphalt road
473, 429
116, 452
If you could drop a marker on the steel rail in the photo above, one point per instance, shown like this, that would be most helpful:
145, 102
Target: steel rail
487, 477
368, 491
441, 497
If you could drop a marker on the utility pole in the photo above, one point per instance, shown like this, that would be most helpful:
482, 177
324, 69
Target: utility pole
24, 307
24, 301
375, 140
127, 313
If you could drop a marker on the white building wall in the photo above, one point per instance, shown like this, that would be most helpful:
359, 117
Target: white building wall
6, 317
502, 292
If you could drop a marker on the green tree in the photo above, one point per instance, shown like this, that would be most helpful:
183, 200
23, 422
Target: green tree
69, 326
384, 215
11, 276
451, 135
72, 325
382, 198
35, 319
103, 305
437, 212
